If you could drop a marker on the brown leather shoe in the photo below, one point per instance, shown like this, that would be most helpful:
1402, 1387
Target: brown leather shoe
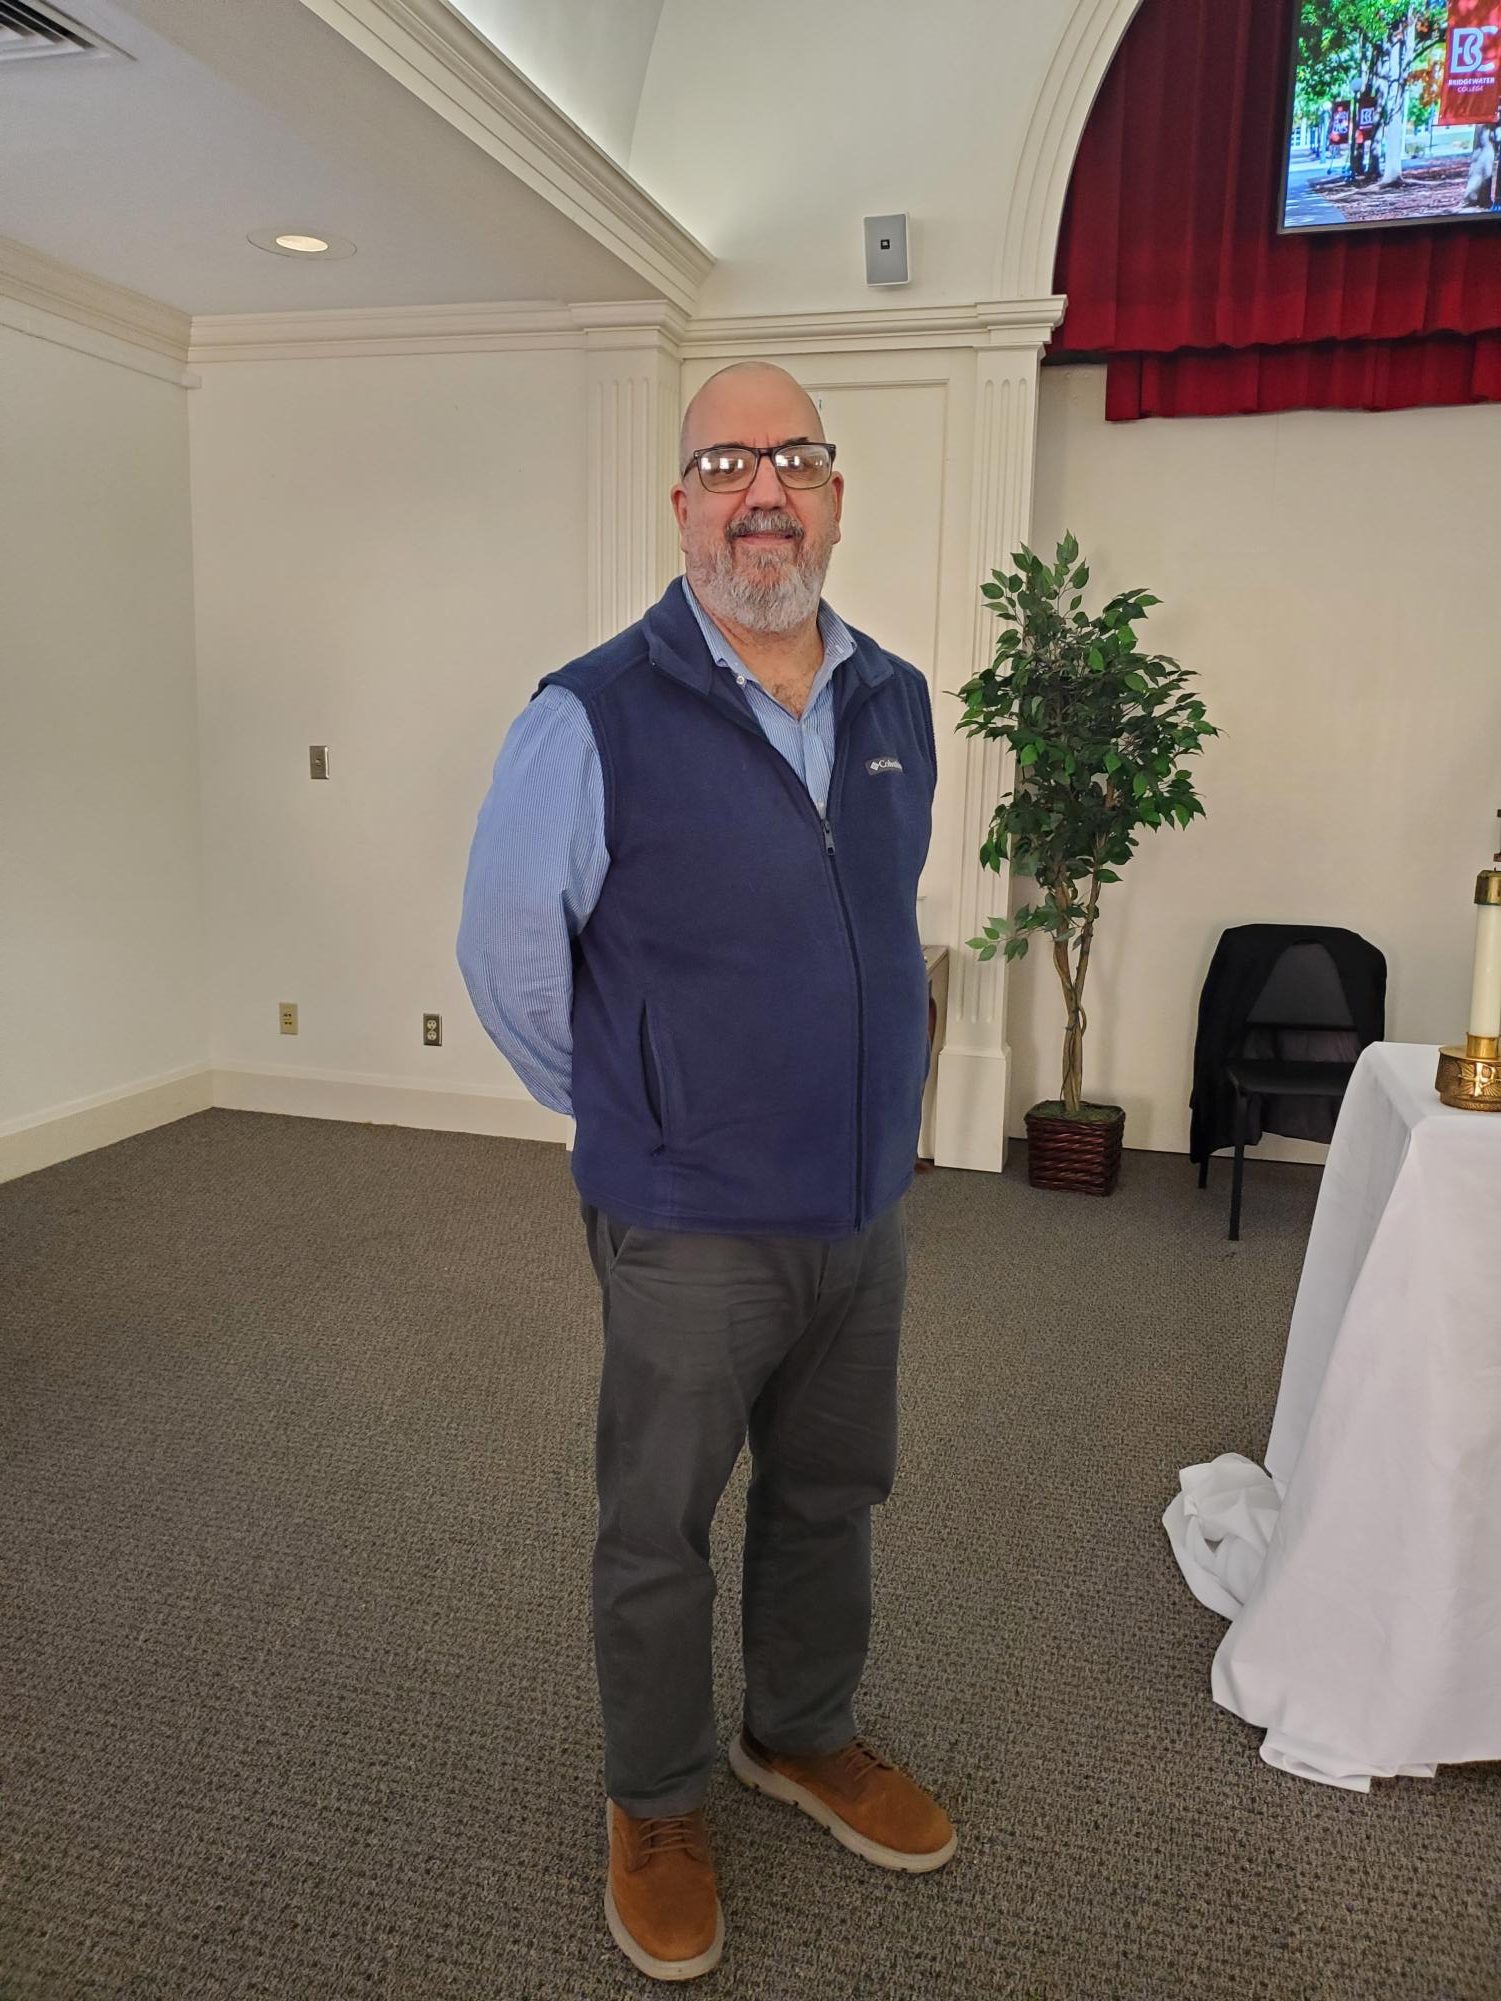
865, 1801
660, 1900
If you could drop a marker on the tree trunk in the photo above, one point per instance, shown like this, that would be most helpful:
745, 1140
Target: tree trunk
1363, 150
1394, 141
1482, 168
1072, 1091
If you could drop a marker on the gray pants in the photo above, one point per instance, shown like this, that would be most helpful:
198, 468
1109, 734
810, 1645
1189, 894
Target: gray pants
708, 1339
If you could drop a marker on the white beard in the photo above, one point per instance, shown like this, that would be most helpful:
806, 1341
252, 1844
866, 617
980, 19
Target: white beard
771, 595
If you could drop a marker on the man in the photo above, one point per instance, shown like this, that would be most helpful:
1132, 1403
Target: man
690, 921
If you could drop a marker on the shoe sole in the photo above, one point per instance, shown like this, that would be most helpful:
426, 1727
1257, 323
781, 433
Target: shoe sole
762, 1779
661, 1969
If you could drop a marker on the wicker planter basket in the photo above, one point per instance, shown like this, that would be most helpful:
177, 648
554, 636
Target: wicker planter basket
1082, 1154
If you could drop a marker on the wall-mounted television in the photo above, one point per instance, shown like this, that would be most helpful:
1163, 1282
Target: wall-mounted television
1393, 114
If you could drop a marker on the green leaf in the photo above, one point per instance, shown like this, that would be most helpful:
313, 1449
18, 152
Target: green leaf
1083, 708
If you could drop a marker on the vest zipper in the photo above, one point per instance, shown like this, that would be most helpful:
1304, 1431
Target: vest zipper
828, 841
749, 722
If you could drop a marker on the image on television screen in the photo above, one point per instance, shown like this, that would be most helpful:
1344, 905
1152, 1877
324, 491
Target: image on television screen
1394, 114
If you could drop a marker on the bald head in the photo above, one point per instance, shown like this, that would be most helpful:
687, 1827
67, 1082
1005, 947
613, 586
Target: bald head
738, 402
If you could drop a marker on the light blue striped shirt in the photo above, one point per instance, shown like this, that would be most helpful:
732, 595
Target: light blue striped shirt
538, 860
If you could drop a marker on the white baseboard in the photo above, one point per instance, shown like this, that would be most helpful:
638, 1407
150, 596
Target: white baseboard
364, 1100
89, 1123
82, 1127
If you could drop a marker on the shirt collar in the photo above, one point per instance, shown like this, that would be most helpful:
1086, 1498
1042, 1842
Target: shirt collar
838, 644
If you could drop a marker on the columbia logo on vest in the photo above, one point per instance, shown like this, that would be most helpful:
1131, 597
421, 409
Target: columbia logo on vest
877, 764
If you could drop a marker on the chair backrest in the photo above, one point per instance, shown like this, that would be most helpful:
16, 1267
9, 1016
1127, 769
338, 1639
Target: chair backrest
1303, 990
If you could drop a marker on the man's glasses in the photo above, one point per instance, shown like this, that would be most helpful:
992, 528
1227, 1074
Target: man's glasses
731, 468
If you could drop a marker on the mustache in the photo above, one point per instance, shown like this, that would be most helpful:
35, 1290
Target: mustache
765, 521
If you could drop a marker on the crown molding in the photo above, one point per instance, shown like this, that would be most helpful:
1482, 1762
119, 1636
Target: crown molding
632, 323
443, 60
371, 330
994, 323
461, 329
635, 323
40, 296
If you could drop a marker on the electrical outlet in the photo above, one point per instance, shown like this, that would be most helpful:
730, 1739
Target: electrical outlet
432, 1030
289, 1017
317, 757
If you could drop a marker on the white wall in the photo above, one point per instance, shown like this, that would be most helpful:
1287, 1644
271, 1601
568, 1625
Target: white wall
1330, 581
770, 132
101, 941
590, 60
390, 554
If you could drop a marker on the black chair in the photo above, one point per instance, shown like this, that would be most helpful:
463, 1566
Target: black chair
1293, 1036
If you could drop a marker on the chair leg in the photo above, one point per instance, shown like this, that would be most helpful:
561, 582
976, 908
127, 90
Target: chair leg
1242, 1108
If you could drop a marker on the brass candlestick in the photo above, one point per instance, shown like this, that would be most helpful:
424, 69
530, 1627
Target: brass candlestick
1469, 1079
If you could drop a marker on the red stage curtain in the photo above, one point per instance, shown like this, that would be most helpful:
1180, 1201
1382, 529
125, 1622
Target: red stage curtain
1173, 267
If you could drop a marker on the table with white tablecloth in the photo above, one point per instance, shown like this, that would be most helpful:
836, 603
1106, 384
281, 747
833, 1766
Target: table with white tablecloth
1361, 1569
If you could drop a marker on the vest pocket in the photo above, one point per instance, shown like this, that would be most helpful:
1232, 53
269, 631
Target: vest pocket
651, 1071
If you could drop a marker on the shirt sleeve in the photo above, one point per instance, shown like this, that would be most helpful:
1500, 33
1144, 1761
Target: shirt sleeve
536, 867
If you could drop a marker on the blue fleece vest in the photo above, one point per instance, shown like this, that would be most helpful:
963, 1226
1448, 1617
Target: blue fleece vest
750, 1001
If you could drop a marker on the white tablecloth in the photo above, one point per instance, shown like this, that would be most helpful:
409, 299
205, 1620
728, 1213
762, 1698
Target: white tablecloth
1362, 1569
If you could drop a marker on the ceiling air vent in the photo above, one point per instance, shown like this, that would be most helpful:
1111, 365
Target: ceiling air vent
29, 30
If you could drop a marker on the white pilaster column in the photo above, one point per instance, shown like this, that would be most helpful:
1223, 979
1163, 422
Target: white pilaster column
634, 376
973, 1065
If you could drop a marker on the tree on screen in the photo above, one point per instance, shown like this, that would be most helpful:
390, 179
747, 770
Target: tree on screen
1367, 49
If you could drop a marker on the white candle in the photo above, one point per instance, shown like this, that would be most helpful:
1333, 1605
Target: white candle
1485, 994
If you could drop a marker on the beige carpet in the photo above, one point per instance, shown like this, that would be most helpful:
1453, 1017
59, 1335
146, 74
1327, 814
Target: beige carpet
297, 1696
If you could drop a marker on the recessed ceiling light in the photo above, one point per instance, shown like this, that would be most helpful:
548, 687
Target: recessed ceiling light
303, 243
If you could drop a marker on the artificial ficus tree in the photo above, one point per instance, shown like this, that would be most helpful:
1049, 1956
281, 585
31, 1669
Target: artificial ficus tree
1099, 729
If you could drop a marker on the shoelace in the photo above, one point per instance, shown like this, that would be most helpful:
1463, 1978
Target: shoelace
673, 1831
857, 1761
